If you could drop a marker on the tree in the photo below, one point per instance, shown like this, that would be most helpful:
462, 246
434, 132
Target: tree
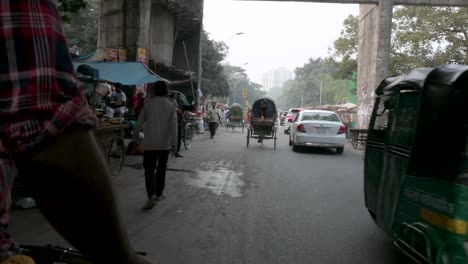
214, 81
345, 48
317, 74
421, 37
347, 44
81, 29
67, 7
428, 37
238, 80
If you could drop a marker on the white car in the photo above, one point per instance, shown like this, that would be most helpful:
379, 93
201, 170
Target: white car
318, 128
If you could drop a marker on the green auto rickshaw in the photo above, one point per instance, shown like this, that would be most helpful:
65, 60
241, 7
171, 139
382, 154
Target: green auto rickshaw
416, 163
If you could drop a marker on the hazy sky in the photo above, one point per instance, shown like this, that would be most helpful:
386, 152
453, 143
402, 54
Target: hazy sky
276, 34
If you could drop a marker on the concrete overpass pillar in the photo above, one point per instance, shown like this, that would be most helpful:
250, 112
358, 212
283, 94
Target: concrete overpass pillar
125, 24
375, 27
192, 44
162, 35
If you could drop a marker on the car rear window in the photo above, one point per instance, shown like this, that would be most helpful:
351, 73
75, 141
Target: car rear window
332, 117
295, 111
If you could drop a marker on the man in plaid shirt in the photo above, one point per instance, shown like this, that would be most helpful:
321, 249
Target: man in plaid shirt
45, 136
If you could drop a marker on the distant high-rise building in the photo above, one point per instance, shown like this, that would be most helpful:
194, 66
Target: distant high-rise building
275, 78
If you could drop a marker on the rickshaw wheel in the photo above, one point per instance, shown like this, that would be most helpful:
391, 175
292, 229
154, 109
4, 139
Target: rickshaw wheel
188, 135
274, 143
116, 155
355, 141
248, 137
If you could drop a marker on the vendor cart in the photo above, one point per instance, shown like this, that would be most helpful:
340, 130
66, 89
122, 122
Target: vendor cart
110, 133
112, 142
358, 137
263, 124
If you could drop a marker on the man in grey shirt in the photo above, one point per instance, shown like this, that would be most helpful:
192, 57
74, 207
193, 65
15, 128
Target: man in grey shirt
158, 120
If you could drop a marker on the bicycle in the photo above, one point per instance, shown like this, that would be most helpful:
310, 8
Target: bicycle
55, 254
187, 136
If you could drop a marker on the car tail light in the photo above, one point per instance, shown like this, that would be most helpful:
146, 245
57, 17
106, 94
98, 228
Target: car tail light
301, 128
342, 130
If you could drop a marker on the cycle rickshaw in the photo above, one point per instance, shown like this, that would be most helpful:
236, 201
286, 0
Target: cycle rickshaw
236, 117
263, 123
416, 163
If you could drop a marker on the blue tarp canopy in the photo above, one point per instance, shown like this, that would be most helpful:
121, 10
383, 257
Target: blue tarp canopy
126, 73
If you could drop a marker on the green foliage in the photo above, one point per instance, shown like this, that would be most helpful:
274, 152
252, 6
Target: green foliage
239, 80
304, 89
428, 37
214, 82
421, 37
81, 29
346, 46
67, 7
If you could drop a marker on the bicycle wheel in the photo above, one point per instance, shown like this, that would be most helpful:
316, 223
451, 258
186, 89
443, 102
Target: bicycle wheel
116, 155
188, 135
355, 141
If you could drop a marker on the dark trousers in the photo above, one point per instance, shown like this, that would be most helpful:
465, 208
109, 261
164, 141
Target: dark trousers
180, 130
212, 126
155, 182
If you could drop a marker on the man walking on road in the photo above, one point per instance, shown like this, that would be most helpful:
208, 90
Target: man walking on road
158, 120
215, 117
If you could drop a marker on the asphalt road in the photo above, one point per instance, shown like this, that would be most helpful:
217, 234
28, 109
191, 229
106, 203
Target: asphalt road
230, 204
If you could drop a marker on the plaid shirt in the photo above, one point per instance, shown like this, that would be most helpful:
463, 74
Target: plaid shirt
39, 94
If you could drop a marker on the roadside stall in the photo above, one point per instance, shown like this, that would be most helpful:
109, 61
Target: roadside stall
100, 75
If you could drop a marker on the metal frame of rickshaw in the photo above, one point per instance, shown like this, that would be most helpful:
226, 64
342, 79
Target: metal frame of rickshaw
415, 177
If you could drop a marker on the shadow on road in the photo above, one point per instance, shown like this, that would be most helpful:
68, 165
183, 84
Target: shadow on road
318, 151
